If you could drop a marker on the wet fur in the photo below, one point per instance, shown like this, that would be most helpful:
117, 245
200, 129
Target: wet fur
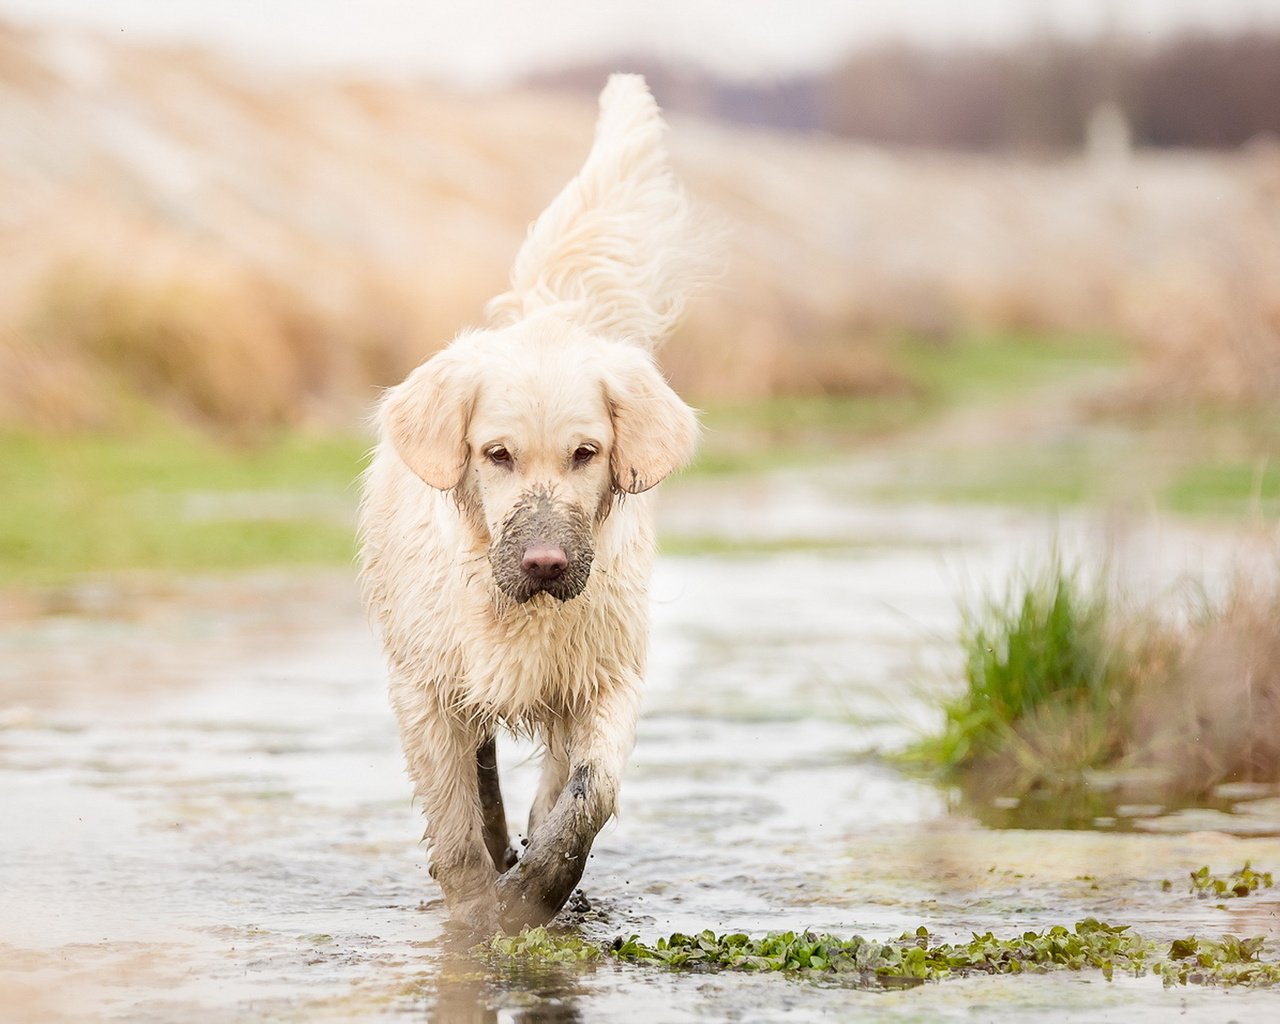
472, 646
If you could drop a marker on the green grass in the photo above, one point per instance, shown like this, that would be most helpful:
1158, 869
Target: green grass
970, 370
977, 368
780, 432
1200, 462
915, 957
173, 499
1229, 489
1142, 468
1038, 657
1055, 474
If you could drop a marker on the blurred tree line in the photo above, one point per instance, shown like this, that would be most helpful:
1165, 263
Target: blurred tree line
1193, 91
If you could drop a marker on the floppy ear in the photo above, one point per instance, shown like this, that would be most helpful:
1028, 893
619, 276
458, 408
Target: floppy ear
426, 419
654, 432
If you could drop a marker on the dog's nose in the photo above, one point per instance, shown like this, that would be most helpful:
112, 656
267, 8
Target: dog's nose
544, 561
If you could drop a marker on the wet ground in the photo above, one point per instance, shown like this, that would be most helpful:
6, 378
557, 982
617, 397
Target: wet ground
203, 815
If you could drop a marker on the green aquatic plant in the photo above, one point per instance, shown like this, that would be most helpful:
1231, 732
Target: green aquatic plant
545, 946
916, 957
1229, 961
1240, 883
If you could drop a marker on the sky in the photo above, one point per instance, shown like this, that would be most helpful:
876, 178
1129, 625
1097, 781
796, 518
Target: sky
483, 43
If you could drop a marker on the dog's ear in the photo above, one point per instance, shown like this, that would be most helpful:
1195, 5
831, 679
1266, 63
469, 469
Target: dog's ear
654, 432
426, 418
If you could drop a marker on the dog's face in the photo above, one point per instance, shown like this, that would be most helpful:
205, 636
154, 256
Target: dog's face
537, 429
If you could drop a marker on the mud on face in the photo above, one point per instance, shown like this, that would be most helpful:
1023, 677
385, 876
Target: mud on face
537, 536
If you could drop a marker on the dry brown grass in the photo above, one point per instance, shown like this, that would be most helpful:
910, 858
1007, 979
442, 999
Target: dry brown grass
1207, 702
207, 345
1206, 318
248, 250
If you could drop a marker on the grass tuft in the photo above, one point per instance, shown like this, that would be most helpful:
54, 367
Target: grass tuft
1063, 681
1040, 680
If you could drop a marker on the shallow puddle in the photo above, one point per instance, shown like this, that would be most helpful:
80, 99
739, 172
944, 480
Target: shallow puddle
206, 817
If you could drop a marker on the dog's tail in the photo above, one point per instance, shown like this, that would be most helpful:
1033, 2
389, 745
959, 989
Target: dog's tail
621, 244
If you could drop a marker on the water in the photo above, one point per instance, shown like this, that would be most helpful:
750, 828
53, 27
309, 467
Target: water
205, 816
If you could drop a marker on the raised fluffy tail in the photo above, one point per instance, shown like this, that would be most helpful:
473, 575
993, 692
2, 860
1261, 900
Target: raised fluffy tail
621, 243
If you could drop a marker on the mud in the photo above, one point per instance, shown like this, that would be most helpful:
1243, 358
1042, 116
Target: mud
540, 519
210, 822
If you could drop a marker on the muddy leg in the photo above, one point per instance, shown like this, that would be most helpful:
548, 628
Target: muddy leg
493, 814
535, 889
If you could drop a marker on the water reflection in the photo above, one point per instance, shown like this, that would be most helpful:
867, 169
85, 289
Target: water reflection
463, 989
1121, 808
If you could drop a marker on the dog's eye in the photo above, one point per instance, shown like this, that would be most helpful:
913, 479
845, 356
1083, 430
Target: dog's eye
583, 454
498, 455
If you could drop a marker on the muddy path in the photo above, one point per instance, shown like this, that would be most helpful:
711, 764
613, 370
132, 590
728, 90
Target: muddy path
205, 816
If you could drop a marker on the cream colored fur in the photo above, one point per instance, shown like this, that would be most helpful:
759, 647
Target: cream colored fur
561, 369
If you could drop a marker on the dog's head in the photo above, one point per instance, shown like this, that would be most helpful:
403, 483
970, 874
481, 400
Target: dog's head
537, 429
538, 424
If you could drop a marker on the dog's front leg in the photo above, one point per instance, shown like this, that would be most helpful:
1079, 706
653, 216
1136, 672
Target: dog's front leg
597, 744
493, 811
441, 749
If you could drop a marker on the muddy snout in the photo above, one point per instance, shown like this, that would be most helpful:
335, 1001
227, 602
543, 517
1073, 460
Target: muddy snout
544, 546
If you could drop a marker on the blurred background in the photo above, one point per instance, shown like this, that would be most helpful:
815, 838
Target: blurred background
232, 228
989, 382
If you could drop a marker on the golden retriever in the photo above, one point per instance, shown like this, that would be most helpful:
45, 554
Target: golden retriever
506, 540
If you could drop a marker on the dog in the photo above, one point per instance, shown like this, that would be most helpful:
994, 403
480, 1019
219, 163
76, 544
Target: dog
506, 533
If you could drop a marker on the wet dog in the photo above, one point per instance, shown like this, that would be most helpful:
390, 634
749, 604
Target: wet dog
506, 534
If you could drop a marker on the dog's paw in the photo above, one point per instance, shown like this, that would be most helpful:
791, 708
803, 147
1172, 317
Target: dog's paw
518, 903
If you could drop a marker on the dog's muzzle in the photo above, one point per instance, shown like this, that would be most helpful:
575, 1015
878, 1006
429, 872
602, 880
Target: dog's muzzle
544, 547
